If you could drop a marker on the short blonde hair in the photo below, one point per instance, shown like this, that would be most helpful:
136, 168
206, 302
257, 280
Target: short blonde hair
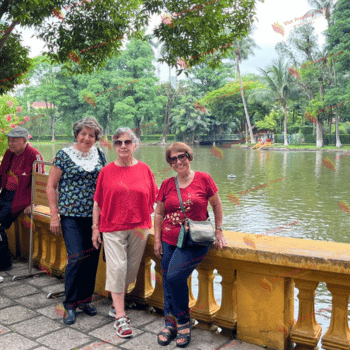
178, 147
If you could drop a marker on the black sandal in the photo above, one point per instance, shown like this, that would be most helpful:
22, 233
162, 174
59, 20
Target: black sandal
169, 336
186, 336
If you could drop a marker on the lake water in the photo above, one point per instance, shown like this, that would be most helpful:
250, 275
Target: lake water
280, 193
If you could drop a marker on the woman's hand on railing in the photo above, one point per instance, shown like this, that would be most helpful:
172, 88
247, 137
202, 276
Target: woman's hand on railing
27, 210
158, 249
55, 225
96, 238
220, 240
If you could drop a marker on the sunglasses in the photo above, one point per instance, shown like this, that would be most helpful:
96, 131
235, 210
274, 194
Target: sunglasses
181, 158
126, 142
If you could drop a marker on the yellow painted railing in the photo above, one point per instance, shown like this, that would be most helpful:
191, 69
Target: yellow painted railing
258, 273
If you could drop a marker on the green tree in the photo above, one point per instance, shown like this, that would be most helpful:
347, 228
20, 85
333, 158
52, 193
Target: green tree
322, 6
11, 115
279, 88
338, 46
269, 122
171, 95
205, 79
14, 62
123, 93
226, 102
188, 120
83, 35
45, 89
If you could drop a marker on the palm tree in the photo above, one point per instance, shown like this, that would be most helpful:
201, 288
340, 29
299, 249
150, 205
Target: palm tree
278, 81
243, 47
319, 5
325, 6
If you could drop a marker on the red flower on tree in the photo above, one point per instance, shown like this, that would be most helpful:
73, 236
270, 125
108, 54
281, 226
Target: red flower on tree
74, 57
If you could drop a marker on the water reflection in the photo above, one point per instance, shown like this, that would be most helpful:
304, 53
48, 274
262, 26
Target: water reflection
308, 194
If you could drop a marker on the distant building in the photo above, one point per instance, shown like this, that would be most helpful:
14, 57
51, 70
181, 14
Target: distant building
42, 105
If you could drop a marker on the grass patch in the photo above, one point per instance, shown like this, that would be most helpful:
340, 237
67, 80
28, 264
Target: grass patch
310, 146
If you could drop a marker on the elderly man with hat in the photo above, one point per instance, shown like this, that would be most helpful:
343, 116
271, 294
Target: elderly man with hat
15, 185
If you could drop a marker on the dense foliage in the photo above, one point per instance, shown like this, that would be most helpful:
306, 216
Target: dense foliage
11, 115
305, 91
83, 35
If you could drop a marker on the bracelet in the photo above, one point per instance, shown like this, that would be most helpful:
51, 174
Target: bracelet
219, 228
94, 226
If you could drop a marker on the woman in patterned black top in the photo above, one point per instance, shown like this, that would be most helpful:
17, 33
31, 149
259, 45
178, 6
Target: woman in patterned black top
74, 174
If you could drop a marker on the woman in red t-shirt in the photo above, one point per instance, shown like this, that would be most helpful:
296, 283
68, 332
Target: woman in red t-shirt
123, 203
197, 188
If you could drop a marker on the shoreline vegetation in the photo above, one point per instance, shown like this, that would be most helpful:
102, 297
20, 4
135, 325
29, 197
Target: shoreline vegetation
275, 147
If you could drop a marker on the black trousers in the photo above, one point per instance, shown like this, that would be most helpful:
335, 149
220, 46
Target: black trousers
6, 220
82, 260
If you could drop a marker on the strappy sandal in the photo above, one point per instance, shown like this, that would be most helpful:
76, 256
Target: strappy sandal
186, 336
122, 327
168, 335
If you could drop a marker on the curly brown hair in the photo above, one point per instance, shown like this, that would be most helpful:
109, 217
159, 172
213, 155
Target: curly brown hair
88, 122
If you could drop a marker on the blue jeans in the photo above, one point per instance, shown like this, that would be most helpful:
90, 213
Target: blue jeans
177, 264
82, 260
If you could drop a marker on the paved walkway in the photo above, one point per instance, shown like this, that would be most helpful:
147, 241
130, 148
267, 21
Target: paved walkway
28, 320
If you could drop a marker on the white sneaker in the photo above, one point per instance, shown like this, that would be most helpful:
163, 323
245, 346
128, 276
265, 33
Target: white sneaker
111, 312
122, 327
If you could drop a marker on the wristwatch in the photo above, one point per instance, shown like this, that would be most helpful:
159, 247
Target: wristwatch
218, 228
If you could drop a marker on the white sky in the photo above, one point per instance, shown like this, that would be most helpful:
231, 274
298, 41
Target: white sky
266, 38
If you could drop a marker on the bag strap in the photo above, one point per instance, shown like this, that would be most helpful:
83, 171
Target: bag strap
103, 161
180, 198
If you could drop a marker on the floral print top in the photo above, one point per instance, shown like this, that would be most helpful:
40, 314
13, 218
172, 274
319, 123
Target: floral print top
195, 201
78, 181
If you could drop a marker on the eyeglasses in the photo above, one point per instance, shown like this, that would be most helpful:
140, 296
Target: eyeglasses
126, 142
181, 158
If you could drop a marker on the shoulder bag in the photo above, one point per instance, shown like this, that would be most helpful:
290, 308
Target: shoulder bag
194, 233
103, 161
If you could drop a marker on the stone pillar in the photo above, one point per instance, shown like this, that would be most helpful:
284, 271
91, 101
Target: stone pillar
338, 336
306, 332
226, 317
206, 306
264, 306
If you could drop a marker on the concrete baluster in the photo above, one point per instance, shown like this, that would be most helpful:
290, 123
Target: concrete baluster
338, 334
36, 244
191, 299
45, 247
156, 299
52, 256
306, 332
61, 261
226, 317
206, 306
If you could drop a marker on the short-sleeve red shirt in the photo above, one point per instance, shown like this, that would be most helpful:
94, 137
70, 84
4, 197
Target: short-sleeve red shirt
126, 196
195, 201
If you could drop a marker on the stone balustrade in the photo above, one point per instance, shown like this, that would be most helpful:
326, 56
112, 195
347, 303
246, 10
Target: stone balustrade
258, 273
